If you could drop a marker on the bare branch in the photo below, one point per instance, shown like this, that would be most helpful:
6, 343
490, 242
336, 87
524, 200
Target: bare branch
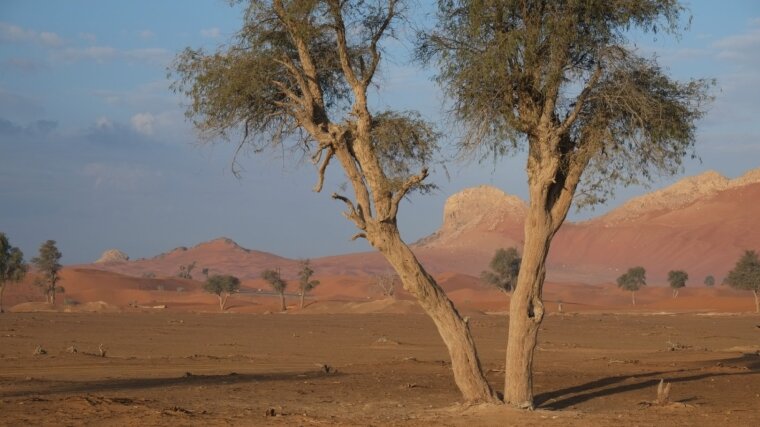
322, 167
580, 101
367, 78
358, 236
340, 34
353, 214
408, 185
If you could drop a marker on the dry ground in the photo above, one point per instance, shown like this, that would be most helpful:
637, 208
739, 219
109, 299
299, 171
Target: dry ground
251, 369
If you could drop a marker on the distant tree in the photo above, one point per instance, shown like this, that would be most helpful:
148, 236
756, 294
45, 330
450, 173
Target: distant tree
186, 271
746, 275
12, 267
48, 265
677, 280
386, 283
709, 281
222, 286
277, 283
205, 272
505, 266
305, 284
632, 281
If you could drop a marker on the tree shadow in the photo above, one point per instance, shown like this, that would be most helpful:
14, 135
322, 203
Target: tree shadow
599, 388
188, 380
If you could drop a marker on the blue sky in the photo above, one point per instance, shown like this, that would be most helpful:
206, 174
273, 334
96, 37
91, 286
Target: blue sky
95, 152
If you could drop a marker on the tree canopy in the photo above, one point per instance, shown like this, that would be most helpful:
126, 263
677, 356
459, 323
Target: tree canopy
633, 279
274, 279
12, 266
564, 74
219, 284
746, 275
504, 268
709, 281
677, 278
48, 265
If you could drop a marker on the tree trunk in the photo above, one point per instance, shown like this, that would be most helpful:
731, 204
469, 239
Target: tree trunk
2, 291
282, 302
302, 296
454, 330
221, 302
757, 302
633, 297
526, 310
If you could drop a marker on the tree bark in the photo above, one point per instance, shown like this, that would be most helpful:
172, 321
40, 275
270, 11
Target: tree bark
526, 310
282, 302
454, 330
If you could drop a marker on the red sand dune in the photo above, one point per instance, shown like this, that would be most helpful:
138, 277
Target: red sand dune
701, 224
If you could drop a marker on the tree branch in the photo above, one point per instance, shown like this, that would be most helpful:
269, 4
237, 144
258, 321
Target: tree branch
353, 214
340, 35
367, 78
572, 116
410, 183
322, 167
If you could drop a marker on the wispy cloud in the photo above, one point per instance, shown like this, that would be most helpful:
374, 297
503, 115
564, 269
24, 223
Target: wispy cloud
146, 34
211, 33
24, 65
100, 54
10, 33
88, 37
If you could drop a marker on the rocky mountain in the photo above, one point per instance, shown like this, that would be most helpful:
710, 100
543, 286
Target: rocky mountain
701, 224
112, 256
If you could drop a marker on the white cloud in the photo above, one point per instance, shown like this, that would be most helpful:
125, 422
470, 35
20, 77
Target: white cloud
144, 123
50, 39
10, 33
88, 37
92, 53
146, 34
211, 33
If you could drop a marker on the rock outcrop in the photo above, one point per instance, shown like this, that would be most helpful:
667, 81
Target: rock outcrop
111, 256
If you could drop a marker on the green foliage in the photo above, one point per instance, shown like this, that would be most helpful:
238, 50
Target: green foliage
633, 279
505, 266
274, 279
514, 69
746, 273
305, 284
710, 281
283, 81
48, 265
12, 266
677, 278
221, 284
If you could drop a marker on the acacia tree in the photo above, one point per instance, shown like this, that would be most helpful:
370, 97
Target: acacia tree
746, 275
505, 267
12, 266
677, 280
298, 73
277, 283
305, 284
222, 286
561, 78
709, 281
48, 265
632, 280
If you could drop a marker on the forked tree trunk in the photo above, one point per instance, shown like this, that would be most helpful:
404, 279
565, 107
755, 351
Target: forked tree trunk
455, 332
526, 310
282, 302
